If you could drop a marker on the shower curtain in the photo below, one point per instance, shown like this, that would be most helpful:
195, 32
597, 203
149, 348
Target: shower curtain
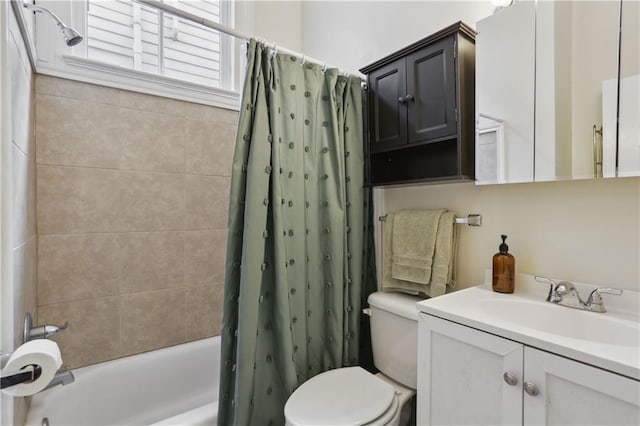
297, 229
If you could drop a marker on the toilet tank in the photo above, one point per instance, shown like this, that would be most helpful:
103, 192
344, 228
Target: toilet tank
394, 335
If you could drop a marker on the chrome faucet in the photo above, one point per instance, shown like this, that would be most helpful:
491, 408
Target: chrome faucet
62, 377
565, 293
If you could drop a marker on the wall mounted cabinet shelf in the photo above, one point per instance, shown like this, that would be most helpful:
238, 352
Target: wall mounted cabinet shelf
421, 110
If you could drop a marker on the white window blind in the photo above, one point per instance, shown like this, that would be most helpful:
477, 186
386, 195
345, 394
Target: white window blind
131, 35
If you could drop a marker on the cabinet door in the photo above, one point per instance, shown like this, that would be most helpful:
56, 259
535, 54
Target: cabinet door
388, 109
460, 376
431, 89
572, 393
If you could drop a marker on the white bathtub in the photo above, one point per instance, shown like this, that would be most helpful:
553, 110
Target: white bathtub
171, 386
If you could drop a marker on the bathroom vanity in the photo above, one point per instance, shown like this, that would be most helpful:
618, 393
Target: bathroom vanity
490, 358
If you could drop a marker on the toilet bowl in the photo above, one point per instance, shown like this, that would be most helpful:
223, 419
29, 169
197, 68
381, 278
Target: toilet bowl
348, 396
351, 395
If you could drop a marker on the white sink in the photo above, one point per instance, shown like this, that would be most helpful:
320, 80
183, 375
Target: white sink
609, 340
567, 322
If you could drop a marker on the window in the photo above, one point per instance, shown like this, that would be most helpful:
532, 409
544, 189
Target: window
132, 35
132, 46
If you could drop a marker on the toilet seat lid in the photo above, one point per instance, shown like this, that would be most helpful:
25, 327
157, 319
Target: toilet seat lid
344, 396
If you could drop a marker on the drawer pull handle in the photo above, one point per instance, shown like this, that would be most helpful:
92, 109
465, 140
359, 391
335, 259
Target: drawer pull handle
531, 388
510, 379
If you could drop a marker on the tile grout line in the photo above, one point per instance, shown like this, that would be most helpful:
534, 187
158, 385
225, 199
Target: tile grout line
184, 281
60, 234
119, 296
74, 166
117, 104
163, 99
120, 345
184, 249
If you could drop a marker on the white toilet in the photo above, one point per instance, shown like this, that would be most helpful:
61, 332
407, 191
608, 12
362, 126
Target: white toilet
353, 396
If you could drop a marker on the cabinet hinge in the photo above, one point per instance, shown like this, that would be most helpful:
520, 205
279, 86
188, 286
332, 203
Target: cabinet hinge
455, 48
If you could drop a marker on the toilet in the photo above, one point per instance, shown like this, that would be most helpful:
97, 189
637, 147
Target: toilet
353, 396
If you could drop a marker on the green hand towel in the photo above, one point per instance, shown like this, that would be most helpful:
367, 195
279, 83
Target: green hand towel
444, 259
413, 244
444, 256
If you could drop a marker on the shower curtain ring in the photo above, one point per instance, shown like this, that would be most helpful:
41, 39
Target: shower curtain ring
304, 59
324, 68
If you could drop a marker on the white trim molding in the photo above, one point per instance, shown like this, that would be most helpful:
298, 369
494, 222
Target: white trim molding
50, 56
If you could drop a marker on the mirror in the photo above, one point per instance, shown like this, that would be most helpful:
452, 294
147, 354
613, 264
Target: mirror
547, 91
505, 95
576, 84
628, 152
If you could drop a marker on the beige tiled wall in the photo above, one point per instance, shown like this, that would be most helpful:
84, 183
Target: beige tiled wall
131, 213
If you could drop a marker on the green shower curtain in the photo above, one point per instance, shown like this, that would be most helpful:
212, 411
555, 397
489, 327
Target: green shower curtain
297, 231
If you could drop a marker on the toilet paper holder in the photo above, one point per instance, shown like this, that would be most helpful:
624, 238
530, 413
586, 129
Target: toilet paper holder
33, 367
25, 375
40, 332
30, 372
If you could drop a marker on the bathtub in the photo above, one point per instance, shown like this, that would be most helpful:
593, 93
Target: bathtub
171, 386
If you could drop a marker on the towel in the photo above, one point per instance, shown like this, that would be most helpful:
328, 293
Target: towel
443, 261
442, 271
413, 244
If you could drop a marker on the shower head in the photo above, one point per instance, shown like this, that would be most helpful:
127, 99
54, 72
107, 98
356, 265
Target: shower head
71, 36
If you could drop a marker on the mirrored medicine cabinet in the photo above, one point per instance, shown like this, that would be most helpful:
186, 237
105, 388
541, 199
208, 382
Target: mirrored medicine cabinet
558, 91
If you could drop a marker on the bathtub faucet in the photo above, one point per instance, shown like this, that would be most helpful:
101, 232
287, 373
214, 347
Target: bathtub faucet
62, 377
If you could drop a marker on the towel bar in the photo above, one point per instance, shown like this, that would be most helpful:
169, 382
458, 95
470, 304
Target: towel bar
471, 220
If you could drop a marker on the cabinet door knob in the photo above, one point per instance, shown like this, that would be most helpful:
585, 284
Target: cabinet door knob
402, 100
530, 388
510, 379
409, 98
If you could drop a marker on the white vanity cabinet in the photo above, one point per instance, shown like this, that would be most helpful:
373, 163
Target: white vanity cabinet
468, 376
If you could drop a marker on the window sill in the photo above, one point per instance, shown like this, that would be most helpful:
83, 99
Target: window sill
104, 74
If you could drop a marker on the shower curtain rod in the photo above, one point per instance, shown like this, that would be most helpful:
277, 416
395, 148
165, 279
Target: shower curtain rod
230, 31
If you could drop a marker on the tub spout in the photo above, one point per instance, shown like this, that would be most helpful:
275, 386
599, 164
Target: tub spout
62, 377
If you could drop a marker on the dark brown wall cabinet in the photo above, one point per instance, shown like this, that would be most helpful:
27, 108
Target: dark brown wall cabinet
421, 110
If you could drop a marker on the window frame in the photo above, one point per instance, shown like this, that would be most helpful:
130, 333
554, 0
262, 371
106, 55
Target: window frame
54, 58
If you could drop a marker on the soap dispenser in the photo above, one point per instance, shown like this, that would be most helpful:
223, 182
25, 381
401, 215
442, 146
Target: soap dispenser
504, 265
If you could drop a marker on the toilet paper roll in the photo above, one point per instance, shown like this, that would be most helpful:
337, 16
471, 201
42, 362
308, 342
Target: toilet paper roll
42, 352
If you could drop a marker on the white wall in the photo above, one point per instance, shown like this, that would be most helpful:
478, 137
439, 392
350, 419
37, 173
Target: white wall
585, 231
277, 22
18, 228
352, 34
5, 289
581, 230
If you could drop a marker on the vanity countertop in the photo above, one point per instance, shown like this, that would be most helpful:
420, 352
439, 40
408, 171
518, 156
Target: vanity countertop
609, 340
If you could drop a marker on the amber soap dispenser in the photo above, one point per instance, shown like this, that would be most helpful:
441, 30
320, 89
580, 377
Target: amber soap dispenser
504, 266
